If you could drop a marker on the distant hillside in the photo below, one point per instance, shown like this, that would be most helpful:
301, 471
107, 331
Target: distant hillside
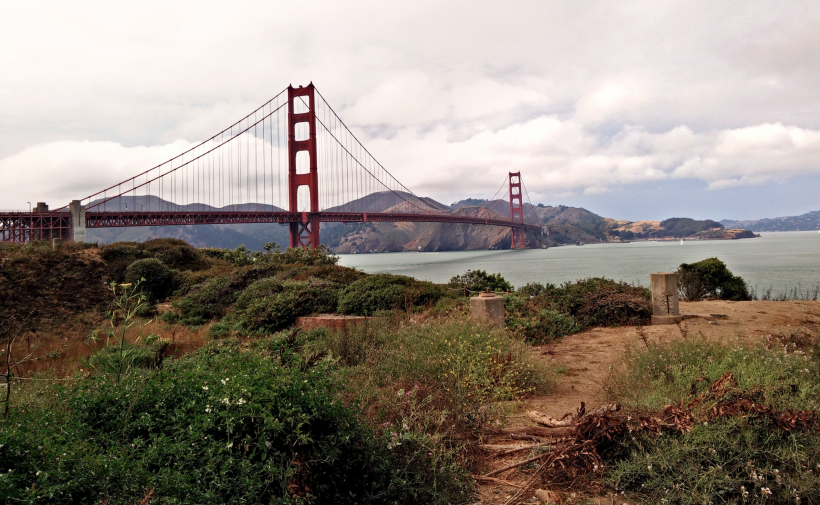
806, 222
560, 225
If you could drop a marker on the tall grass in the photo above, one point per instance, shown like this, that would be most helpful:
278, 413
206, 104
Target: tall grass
788, 294
457, 370
743, 459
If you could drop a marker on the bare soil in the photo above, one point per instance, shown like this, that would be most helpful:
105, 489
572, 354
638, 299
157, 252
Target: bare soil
585, 361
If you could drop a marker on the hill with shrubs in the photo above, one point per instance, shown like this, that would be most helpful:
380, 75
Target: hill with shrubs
397, 409
561, 225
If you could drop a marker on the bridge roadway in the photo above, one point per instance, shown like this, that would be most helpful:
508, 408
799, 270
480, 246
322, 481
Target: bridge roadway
118, 219
24, 226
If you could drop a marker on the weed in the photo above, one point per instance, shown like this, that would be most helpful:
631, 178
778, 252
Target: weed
118, 356
725, 459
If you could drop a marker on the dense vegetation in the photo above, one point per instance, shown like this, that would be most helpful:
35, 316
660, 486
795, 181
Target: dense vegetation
685, 227
388, 411
380, 413
736, 457
710, 278
540, 313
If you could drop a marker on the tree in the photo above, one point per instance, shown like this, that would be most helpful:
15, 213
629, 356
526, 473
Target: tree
710, 278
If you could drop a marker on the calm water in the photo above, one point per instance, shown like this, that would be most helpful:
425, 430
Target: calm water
777, 260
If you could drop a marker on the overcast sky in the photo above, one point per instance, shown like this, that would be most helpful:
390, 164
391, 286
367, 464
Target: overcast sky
634, 110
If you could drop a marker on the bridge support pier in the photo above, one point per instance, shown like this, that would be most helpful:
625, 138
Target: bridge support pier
77, 212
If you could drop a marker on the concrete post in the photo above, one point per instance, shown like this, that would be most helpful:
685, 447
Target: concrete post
665, 298
77, 211
488, 308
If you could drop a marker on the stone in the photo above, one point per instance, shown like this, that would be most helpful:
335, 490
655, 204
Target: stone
665, 307
488, 308
667, 319
330, 321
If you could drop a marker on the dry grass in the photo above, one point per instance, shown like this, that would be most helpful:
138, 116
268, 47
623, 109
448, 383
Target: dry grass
60, 353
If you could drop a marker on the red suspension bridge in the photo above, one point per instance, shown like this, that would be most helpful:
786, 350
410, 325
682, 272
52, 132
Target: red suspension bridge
291, 161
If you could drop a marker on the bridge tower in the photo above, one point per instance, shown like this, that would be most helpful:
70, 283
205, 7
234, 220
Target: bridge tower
304, 234
516, 211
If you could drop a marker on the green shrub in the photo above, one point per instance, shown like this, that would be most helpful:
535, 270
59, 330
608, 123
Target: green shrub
158, 278
598, 302
321, 256
220, 329
212, 298
533, 289
119, 255
536, 325
213, 252
378, 292
208, 302
176, 253
269, 305
480, 280
732, 459
710, 278
461, 367
218, 426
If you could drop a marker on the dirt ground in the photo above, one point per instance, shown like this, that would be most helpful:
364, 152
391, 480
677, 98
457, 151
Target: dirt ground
588, 357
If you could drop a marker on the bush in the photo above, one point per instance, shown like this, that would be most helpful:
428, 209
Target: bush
533, 289
218, 426
378, 292
208, 302
728, 459
598, 302
710, 278
536, 325
212, 298
176, 253
479, 280
119, 255
459, 368
269, 305
159, 280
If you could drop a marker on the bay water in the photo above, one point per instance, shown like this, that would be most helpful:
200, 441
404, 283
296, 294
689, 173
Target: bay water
777, 260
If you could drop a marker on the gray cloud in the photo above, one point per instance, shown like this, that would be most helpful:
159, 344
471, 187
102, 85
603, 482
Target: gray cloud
583, 98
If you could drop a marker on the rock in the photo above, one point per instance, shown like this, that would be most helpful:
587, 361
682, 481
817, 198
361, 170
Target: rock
545, 496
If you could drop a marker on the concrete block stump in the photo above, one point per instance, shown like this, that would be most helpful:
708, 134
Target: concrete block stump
665, 308
330, 321
488, 308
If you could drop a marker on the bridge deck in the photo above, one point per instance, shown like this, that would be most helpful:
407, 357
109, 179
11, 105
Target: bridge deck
25, 226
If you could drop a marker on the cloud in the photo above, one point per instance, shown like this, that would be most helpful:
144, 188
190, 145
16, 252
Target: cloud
450, 96
555, 157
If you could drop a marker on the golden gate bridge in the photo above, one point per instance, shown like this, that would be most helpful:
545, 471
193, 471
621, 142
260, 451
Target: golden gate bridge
291, 161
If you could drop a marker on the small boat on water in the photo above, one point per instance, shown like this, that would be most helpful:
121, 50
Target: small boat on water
681, 241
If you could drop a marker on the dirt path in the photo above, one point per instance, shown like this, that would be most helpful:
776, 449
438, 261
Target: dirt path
588, 357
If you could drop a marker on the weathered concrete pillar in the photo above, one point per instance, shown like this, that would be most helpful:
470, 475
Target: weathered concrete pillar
77, 211
665, 298
489, 308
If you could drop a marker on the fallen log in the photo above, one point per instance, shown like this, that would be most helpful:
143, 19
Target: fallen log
538, 431
516, 465
493, 480
568, 420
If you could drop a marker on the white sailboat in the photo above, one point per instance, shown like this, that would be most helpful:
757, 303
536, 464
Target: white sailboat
681, 241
